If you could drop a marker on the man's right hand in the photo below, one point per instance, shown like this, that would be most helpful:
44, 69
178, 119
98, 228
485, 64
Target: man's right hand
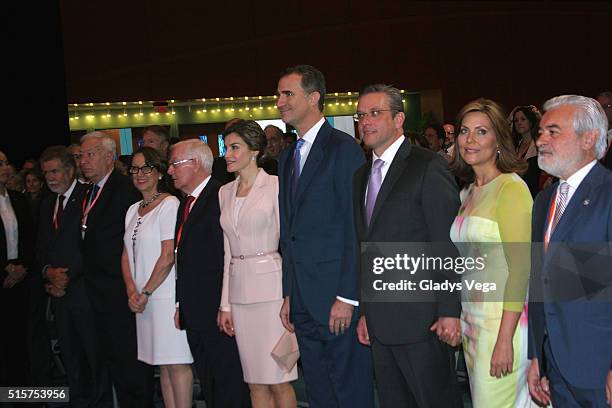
362, 332
57, 277
538, 386
177, 319
284, 315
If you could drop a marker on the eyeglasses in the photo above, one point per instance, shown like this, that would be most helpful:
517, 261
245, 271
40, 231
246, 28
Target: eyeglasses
177, 163
373, 113
4, 162
146, 169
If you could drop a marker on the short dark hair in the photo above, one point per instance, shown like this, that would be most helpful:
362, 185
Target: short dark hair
160, 131
62, 153
507, 159
312, 80
393, 95
154, 159
290, 135
252, 134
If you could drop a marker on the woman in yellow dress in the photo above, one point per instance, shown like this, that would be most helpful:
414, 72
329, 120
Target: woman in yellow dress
495, 210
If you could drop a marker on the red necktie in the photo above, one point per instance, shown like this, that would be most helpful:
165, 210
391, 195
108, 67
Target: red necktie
184, 216
59, 212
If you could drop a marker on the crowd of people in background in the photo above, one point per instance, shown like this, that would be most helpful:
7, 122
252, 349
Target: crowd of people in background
170, 257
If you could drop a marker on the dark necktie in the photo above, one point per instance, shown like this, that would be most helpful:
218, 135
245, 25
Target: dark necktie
60, 211
297, 157
374, 184
93, 193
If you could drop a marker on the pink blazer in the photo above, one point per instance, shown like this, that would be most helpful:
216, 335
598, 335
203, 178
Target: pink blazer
253, 267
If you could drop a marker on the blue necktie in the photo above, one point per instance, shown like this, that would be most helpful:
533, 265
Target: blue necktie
297, 157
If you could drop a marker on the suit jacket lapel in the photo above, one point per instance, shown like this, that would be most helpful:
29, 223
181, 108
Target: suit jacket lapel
198, 207
361, 182
315, 156
393, 174
541, 223
575, 207
254, 195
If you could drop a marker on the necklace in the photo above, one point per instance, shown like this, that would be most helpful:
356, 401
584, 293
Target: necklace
145, 203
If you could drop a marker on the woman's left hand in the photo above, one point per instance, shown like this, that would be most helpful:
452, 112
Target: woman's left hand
502, 359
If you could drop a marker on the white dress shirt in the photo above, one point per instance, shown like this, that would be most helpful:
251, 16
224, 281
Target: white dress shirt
11, 229
574, 182
309, 139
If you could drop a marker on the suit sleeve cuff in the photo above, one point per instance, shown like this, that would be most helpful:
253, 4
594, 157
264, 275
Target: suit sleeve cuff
349, 301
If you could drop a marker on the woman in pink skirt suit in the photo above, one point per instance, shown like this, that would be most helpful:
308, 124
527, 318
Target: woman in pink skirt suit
252, 281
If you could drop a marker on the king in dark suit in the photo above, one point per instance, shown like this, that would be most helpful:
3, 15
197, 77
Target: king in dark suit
570, 300
58, 251
199, 276
320, 273
406, 195
102, 228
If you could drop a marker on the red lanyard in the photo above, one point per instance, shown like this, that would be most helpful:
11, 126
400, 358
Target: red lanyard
86, 209
551, 215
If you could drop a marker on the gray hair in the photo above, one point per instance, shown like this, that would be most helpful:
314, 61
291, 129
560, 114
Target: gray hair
197, 149
393, 94
107, 142
589, 116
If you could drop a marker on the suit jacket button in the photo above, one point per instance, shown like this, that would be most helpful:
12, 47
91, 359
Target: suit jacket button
293, 239
546, 281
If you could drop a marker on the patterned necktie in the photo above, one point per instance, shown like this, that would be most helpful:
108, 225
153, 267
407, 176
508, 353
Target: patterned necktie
297, 157
59, 212
561, 204
374, 184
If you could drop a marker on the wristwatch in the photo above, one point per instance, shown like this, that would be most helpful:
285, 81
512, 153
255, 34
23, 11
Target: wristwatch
146, 292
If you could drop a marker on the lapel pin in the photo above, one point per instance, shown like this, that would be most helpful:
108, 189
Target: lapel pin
586, 202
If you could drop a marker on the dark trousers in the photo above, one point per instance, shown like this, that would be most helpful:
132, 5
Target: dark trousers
79, 348
337, 369
416, 375
218, 368
13, 344
38, 340
565, 395
132, 379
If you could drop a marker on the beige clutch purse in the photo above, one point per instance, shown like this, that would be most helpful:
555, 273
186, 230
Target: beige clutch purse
286, 352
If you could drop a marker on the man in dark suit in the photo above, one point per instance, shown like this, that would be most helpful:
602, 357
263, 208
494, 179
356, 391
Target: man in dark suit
570, 300
199, 270
16, 254
58, 251
319, 248
406, 195
108, 197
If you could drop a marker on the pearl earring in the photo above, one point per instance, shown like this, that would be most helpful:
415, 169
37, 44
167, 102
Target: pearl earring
253, 158
159, 178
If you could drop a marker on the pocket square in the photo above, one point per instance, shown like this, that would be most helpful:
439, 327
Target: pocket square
286, 352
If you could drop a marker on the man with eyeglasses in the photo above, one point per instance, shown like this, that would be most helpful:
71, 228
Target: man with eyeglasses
406, 194
199, 276
58, 251
449, 141
319, 247
102, 225
605, 99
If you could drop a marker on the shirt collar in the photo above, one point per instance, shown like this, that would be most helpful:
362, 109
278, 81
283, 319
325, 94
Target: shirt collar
198, 190
575, 179
311, 135
390, 151
68, 192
